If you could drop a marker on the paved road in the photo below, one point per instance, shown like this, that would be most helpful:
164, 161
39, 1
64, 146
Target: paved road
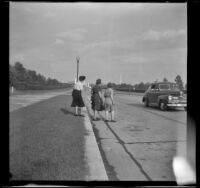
141, 145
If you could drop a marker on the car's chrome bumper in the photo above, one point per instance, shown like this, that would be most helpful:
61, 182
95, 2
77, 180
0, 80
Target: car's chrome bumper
176, 105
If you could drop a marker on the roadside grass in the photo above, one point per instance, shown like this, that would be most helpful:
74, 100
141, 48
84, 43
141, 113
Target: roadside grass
46, 142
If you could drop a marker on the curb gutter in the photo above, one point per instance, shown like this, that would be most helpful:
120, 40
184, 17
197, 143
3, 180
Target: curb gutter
93, 156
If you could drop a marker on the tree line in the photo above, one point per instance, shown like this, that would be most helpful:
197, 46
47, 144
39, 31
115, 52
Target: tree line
141, 87
24, 79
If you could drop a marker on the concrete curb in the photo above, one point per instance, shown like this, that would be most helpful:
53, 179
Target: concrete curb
93, 155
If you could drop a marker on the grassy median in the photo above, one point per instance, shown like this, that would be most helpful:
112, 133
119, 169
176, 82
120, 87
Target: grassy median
46, 142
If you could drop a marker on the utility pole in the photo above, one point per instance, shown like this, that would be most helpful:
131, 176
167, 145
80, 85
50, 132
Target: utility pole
77, 60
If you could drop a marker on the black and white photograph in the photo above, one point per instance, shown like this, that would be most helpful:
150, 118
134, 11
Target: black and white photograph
98, 92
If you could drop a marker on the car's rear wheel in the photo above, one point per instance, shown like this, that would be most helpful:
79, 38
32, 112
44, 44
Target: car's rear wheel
146, 102
163, 105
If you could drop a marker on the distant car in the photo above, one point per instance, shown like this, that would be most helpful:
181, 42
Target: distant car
165, 95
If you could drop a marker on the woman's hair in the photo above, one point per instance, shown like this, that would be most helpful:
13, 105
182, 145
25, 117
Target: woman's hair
98, 81
109, 85
82, 78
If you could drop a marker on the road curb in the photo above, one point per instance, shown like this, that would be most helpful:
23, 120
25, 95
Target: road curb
93, 155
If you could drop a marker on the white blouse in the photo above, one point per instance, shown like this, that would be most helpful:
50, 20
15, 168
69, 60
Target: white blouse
78, 86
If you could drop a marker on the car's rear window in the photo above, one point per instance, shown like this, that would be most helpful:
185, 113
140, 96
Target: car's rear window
174, 87
168, 87
164, 86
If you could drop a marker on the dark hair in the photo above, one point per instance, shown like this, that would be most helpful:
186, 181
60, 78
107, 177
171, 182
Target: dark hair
109, 85
82, 78
98, 81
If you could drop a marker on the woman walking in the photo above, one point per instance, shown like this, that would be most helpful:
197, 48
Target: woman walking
77, 101
96, 98
109, 102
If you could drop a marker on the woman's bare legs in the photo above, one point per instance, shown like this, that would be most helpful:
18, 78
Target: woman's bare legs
79, 111
95, 114
76, 110
112, 115
106, 114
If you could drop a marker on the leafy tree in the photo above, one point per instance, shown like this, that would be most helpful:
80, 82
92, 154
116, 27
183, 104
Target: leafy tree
20, 72
41, 79
12, 76
179, 82
22, 78
165, 80
141, 86
32, 76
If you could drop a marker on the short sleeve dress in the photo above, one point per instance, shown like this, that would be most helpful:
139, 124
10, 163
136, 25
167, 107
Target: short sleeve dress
76, 96
95, 98
108, 103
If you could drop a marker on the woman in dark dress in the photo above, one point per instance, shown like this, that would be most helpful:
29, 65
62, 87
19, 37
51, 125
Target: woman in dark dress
96, 98
77, 101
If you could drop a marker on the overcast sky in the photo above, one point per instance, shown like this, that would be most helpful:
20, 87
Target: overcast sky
140, 41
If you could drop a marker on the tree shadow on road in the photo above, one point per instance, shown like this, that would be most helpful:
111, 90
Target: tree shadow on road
67, 112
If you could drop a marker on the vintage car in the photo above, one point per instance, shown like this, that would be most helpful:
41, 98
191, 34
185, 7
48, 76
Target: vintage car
165, 95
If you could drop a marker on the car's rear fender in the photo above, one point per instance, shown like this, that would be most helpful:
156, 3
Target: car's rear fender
162, 98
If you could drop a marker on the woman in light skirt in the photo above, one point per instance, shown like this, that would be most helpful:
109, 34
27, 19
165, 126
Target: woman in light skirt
109, 103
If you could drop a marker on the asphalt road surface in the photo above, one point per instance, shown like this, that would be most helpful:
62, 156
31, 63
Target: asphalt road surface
140, 146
